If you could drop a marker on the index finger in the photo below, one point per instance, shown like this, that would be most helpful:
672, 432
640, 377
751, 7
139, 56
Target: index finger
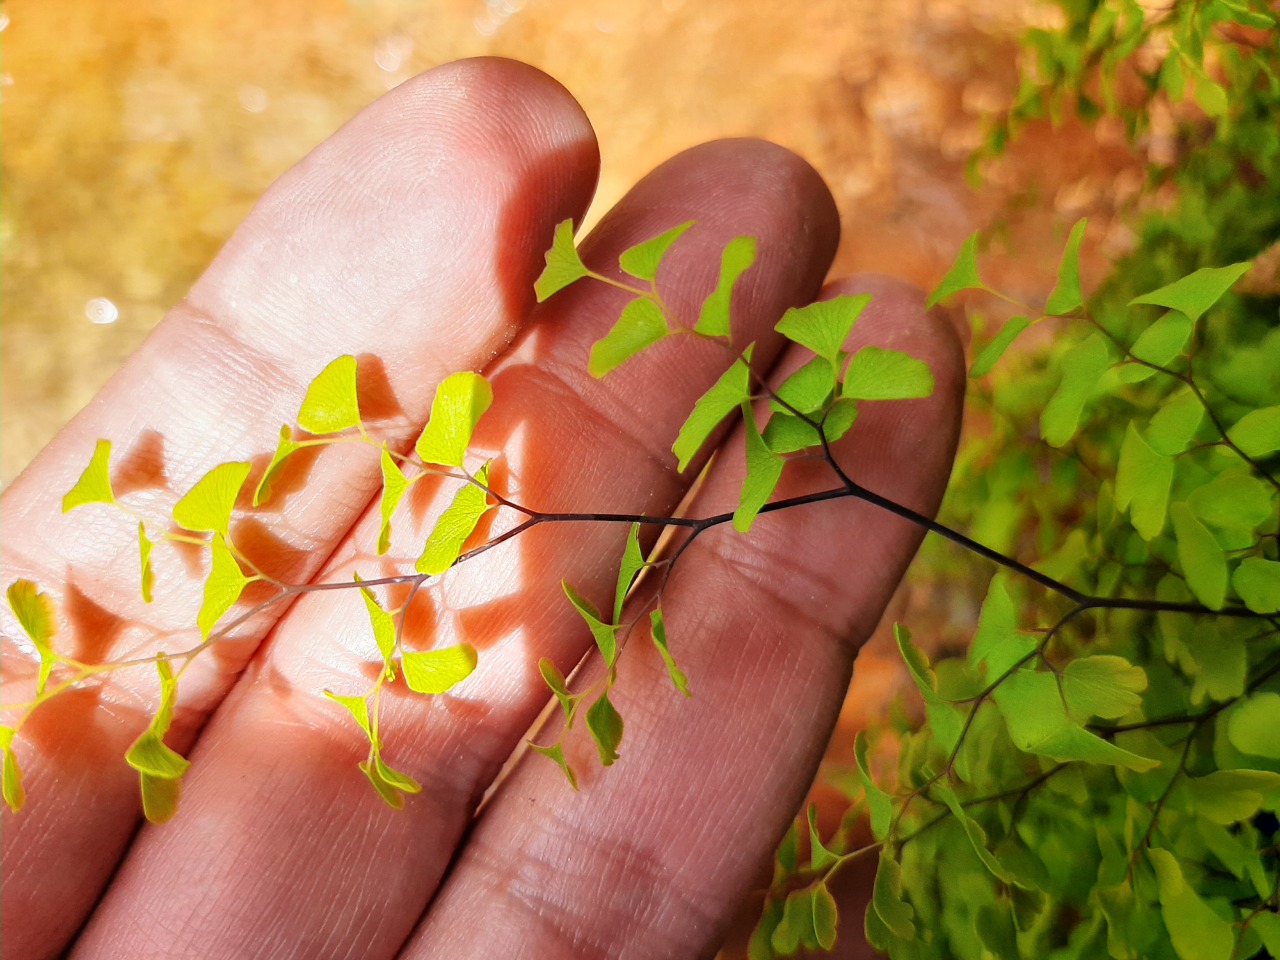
413, 235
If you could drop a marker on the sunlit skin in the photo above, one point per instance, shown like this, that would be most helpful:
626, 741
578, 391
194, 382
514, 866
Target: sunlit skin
411, 240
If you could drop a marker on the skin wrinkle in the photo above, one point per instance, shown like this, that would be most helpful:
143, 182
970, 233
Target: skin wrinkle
752, 573
524, 891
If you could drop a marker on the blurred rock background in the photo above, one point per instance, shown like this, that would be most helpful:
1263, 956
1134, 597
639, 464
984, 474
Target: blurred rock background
137, 135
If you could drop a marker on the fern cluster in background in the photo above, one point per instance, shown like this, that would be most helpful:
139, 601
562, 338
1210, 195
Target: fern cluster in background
1096, 780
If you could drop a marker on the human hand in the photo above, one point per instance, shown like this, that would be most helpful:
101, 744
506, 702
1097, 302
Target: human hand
411, 239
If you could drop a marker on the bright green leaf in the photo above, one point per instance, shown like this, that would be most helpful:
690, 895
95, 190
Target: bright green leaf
945, 721
977, 836
726, 395
820, 858
94, 485
825, 916
641, 324
605, 724
458, 522
160, 797
963, 274
1257, 433
284, 447
394, 485
222, 588
659, 634
713, 319
1143, 480
989, 355
605, 634
385, 789
564, 266
839, 417
1197, 292
1163, 340
878, 803
808, 389
144, 555
149, 754
998, 644
1102, 686
1197, 932
764, 469
1229, 796
555, 680
1252, 726
887, 899
168, 695
207, 506
1174, 424
1203, 563
1257, 581
438, 671
1038, 723
383, 623
459, 403
38, 619
786, 433
35, 611
796, 928
11, 779
1234, 499
152, 758
643, 259
555, 753
358, 707
1067, 295
1082, 368
330, 405
395, 778
1172, 78
632, 562
1212, 97
876, 374
824, 325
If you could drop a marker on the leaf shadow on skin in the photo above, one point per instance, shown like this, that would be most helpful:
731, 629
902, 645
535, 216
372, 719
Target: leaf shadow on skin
98, 628
418, 619
141, 467
267, 550
378, 400
291, 477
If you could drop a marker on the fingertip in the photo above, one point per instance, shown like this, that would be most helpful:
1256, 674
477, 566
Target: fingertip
497, 107
749, 186
440, 197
